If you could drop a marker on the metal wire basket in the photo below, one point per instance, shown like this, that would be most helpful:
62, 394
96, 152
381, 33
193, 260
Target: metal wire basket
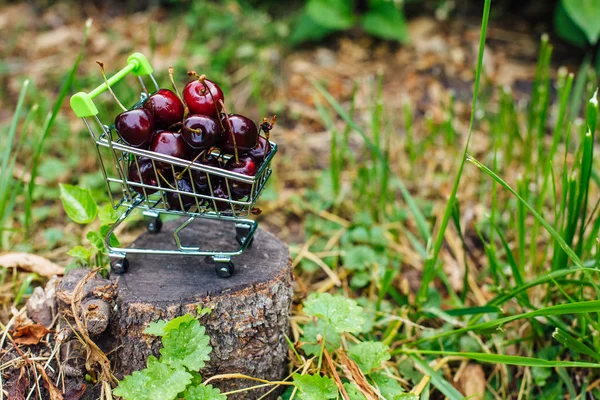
158, 196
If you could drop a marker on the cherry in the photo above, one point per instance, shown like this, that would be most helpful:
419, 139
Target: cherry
242, 134
146, 174
246, 166
135, 127
203, 96
200, 131
166, 108
220, 192
201, 178
173, 198
261, 150
170, 144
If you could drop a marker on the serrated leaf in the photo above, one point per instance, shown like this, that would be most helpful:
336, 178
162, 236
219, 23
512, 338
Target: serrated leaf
188, 346
343, 314
358, 258
328, 333
203, 392
385, 21
157, 381
78, 203
162, 327
586, 14
107, 214
332, 14
80, 252
353, 391
369, 355
96, 240
315, 387
388, 387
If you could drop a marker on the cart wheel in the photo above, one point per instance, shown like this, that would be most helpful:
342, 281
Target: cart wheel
241, 239
154, 225
224, 269
241, 233
119, 266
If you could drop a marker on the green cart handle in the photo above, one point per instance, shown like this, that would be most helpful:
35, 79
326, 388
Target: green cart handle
82, 103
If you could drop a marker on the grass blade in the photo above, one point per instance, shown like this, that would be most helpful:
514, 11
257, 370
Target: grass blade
437, 379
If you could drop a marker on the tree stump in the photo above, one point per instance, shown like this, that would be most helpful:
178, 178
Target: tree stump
250, 310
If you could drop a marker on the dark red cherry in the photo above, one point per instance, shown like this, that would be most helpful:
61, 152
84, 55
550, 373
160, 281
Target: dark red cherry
201, 177
166, 108
220, 192
135, 127
203, 98
247, 166
200, 131
244, 130
177, 200
143, 172
259, 152
170, 144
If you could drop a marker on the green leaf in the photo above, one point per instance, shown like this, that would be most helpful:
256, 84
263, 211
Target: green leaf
113, 238
388, 386
307, 30
80, 252
369, 355
353, 392
158, 381
328, 333
162, 327
96, 240
315, 387
586, 15
343, 314
107, 214
78, 203
203, 392
358, 258
567, 29
332, 14
188, 346
386, 21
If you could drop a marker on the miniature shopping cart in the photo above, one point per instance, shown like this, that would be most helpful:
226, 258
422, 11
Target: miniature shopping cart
117, 157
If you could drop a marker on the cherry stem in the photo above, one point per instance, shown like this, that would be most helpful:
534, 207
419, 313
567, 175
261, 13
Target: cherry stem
101, 64
180, 175
202, 79
171, 72
235, 150
165, 179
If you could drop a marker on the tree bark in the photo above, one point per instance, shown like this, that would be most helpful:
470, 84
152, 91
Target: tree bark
250, 310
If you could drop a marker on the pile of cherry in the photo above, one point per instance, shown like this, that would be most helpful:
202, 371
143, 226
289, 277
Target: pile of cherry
193, 127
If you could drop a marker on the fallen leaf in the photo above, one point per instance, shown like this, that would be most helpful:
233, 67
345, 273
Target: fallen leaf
31, 263
55, 394
19, 390
29, 334
356, 376
472, 382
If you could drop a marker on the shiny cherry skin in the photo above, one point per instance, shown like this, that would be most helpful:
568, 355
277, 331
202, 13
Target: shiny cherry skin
259, 152
247, 166
143, 172
170, 144
200, 131
220, 192
203, 98
183, 185
166, 108
244, 130
201, 178
135, 127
